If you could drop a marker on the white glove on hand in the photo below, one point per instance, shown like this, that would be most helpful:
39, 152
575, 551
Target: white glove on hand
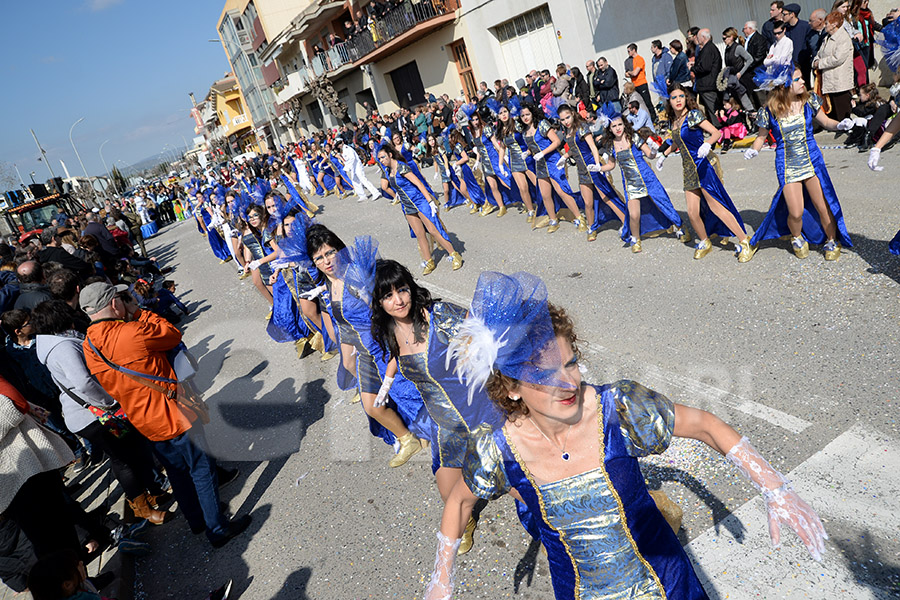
539, 156
503, 172
860, 122
750, 153
594, 168
436, 177
783, 505
874, 157
652, 144
703, 150
253, 265
313, 293
458, 170
845, 125
660, 160
440, 587
382, 396
477, 165
434, 207
561, 162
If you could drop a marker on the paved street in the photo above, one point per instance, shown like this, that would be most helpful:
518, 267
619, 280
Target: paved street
801, 356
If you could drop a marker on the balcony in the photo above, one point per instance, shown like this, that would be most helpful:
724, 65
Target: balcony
336, 57
406, 23
296, 84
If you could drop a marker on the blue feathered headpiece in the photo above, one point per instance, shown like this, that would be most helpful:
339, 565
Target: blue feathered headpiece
890, 44
296, 198
493, 105
659, 86
607, 114
293, 246
515, 106
469, 108
508, 329
357, 266
552, 107
773, 76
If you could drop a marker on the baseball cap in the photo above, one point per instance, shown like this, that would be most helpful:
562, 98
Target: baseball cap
793, 8
97, 296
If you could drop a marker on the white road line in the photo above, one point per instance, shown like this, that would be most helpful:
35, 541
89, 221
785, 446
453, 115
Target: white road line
853, 484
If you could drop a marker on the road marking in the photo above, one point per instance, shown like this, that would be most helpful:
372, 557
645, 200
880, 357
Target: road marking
849, 483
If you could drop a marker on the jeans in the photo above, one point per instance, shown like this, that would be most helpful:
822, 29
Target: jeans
192, 473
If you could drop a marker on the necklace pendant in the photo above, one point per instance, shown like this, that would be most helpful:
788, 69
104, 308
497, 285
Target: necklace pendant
565, 456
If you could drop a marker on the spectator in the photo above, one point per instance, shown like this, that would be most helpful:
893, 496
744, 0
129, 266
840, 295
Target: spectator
661, 63
629, 95
816, 32
168, 302
64, 285
732, 121
758, 48
560, 87
53, 252
737, 63
707, 65
108, 248
421, 121
798, 32
9, 290
690, 41
874, 111
835, 61
775, 14
679, 73
32, 290
868, 27
607, 83
782, 51
126, 336
639, 117
636, 68
593, 84
578, 89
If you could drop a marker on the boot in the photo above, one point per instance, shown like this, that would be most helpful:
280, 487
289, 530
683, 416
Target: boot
409, 446
142, 510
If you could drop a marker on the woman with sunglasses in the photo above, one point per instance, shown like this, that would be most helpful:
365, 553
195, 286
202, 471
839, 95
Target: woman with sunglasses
569, 451
254, 246
514, 153
363, 365
805, 206
419, 207
481, 141
468, 183
709, 206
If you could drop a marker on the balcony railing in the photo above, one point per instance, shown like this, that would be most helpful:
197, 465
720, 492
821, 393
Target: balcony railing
332, 59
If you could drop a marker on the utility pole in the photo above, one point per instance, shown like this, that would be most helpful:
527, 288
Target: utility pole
43, 153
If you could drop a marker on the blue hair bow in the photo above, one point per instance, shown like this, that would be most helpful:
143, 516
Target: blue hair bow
773, 76
890, 44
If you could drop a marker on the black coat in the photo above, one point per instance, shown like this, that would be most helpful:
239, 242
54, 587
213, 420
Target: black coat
707, 64
579, 89
606, 84
758, 48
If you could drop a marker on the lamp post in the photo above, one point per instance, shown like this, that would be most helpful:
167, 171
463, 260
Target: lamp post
108, 174
78, 156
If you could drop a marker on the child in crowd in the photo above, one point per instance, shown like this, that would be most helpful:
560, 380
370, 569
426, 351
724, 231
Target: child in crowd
733, 122
168, 303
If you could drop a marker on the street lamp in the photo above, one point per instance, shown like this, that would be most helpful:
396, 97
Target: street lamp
78, 156
108, 174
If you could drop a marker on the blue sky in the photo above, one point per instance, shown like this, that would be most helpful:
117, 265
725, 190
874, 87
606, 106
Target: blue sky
126, 66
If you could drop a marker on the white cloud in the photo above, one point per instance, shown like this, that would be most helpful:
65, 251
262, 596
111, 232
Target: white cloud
98, 5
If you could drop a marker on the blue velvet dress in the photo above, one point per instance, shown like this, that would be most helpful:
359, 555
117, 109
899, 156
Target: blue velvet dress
798, 158
288, 323
581, 152
639, 180
448, 175
475, 191
700, 173
219, 248
412, 194
258, 250
317, 164
488, 166
894, 246
604, 536
546, 168
516, 153
414, 166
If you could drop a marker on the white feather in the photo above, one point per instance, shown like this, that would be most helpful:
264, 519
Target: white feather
475, 349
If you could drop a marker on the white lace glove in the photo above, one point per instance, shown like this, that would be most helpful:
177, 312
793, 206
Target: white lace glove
313, 293
750, 153
440, 587
561, 162
503, 172
660, 160
434, 207
594, 168
703, 150
860, 122
652, 145
458, 170
539, 156
436, 176
845, 125
874, 157
253, 265
783, 505
382, 397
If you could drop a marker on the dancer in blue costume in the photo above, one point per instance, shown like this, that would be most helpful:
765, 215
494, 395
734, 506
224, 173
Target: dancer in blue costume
467, 181
325, 176
298, 198
648, 204
403, 148
416, 330
363, 363
805, 206
544, 144
255, 249
443, 170
488, 160
709, 207
419, 207
514, 154
212, 225
583, 149
337, 167
569, 451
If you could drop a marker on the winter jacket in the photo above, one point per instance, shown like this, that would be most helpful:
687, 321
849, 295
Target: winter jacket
679, 72
9, 290
707, 64
26, 450
608, 82
30, 295
63, 355
560, 87
836, 62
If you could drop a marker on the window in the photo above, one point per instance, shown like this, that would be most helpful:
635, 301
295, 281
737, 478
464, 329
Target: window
524, 23
238, 24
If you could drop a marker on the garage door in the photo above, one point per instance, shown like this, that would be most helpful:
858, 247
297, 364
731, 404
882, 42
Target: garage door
528, 42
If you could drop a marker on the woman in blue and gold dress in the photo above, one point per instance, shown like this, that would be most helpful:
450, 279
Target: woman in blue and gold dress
486, 157
805, 206
453, 192
648, 204
514, 153
468, 183
363, 364
255, 249
569, 451
709, 207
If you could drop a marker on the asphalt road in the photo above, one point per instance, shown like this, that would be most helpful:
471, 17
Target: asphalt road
801, 356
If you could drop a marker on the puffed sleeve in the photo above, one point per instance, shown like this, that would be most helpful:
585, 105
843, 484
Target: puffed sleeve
402, 169
483, 465
646, 418
544, 127
815, 102
694, 118
764, 118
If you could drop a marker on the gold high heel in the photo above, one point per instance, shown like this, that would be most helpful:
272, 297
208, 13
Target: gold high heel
832, 250
582, 223
747, 251
300, 345
409, 446
636, 246
329, 355
530, 217
457, 261
429, 266
468, 537
552, 227
592, 236
356, 398
502, 211
800, 246
487, 209
474, 209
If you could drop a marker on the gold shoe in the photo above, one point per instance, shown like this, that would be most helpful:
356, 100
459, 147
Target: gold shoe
538, 223
800, 246
747, 251
474, 209
244, 275
317, 342
487, 209
457, 260
703, 248
502, 211
553, 227
329, 355
683, 236
832, 250
396, 200
310, 214
530, 217
409, 446
300, 345
356, 398
468, 537
429, 266
582, 222
592, 236
636, 247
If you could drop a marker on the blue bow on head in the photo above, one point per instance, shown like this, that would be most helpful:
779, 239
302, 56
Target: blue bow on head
890, 44
493, 105
773, 76
515, 106
469, 108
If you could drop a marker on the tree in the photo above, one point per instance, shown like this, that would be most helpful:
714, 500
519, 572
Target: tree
322, 89
8, 179
118, 180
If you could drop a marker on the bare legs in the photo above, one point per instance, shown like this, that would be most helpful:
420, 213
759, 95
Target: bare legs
793, 197
693, 206
522, 181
